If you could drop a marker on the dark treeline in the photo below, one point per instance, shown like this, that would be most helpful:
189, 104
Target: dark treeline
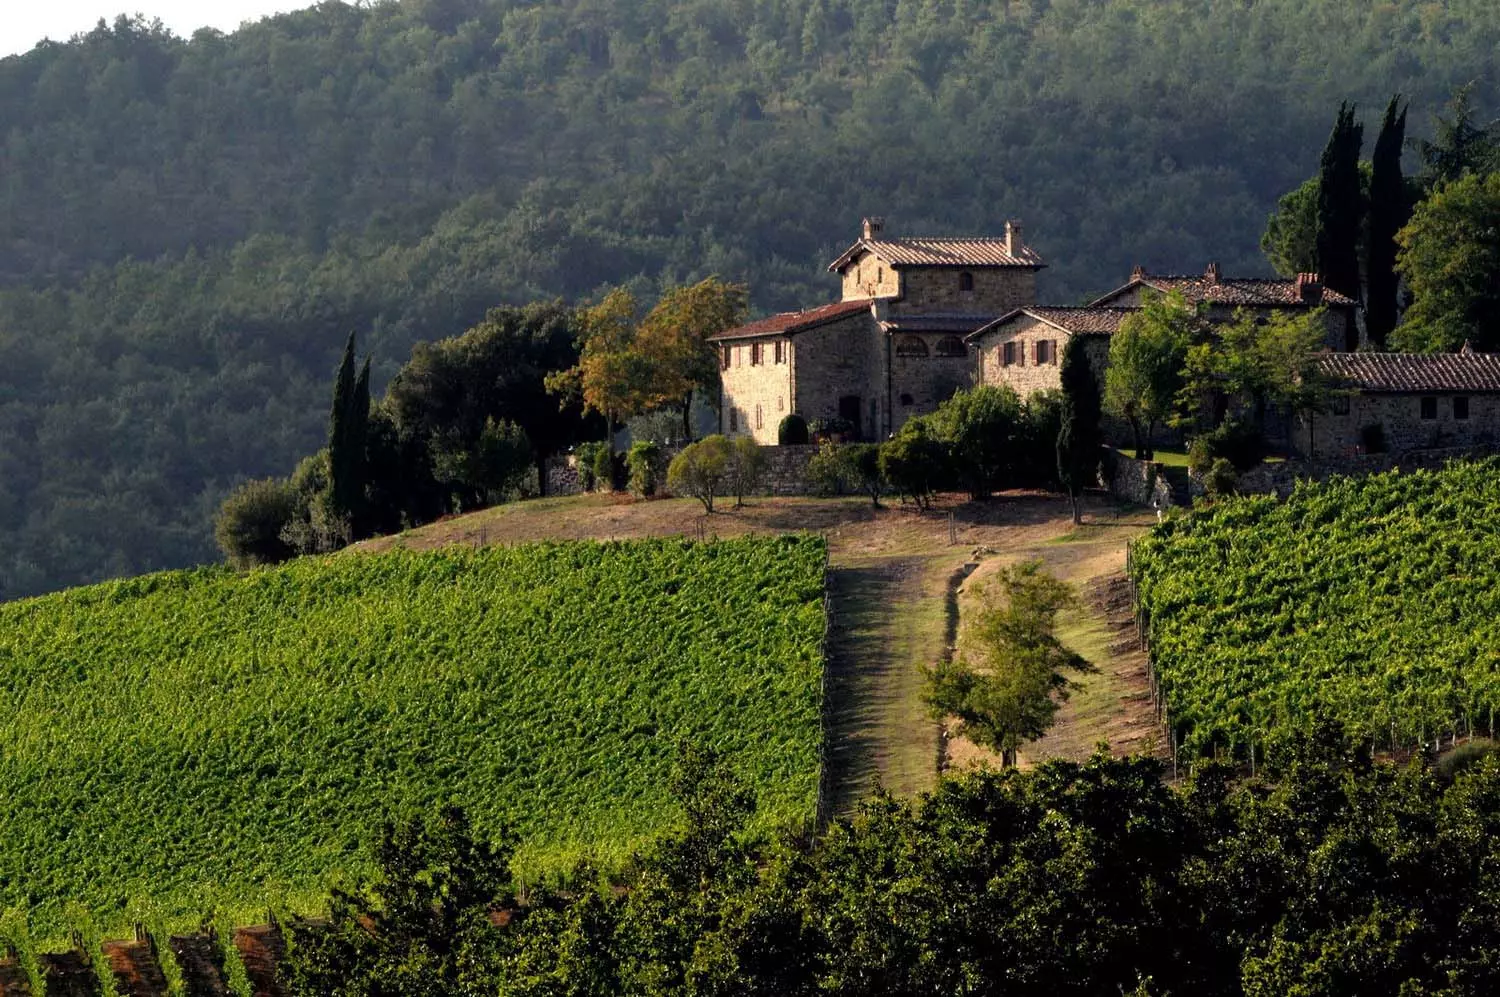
189, 228
1332, 876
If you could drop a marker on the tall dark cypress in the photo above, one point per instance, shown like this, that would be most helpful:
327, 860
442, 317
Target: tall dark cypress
1078, 436
1389, 212
1340, 205
343, 473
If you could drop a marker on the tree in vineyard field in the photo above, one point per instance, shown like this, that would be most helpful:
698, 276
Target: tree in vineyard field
1011, 688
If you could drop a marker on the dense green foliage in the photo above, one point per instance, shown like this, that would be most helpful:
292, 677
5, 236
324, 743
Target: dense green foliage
1368, 601
195, 740
1450, 256
1341, 206
1335, 878
192, 227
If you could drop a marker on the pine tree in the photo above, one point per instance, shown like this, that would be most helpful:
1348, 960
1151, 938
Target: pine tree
1078, 438
1390, 210
1339, 205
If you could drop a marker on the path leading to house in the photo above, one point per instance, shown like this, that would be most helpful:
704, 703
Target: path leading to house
897, 585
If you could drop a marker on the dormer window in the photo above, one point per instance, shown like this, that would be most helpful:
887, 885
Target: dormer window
966, 281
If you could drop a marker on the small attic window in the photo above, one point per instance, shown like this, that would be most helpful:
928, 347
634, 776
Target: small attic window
966, 281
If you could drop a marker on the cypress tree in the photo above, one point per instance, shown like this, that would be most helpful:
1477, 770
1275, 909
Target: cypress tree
1078, 438
344, 435
1339, 205
1389, 213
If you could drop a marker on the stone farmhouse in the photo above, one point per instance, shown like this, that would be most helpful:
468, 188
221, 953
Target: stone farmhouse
891, 348
1420, 401
920, 317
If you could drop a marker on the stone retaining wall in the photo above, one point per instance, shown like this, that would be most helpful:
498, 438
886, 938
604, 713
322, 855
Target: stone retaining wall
1143, 482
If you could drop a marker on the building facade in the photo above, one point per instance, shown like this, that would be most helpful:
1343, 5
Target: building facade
1404, 401
891, 348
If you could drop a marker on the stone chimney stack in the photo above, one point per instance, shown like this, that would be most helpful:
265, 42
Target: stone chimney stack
1013, 243
1309, 288
1212, 273
872, 227
1137, 272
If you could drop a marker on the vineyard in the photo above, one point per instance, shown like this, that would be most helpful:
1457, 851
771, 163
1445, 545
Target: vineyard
205, 742
1373, 603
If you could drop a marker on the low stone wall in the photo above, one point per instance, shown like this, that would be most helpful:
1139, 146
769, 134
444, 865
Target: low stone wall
1280, 478
1143, 482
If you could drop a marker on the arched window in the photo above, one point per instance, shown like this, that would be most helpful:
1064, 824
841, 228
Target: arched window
910, 346
965, 281
951, 346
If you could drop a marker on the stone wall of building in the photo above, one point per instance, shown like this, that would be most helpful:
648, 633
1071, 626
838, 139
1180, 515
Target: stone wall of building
870, 277
842, 359
996, 290
1143, 482
919, 384
761, 392
1025, 376
1281, 477
1339, 433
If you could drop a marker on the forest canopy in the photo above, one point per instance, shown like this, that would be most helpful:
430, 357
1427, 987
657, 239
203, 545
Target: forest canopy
190, 228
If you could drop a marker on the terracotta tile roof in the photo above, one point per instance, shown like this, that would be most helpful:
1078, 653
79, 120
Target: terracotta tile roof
979, 251
1092, 320
1262, 292
1415, 372
958, 324
788, 323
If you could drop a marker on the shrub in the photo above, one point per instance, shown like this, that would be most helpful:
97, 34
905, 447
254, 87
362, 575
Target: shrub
587, 457
1237, 442
862, 467
644, 461
604, 467
979, 428
251, 520
702, 470
836, 429
747, 463
1465, 756
914, 461
1035, 465
828, 470
792, 431
1220, 478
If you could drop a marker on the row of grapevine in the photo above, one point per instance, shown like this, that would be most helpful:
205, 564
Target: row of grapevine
208, 741
1371, 602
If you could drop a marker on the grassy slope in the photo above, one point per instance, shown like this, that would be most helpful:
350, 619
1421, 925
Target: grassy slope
195, 741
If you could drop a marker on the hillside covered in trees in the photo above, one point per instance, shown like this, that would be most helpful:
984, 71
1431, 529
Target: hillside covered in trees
189, 228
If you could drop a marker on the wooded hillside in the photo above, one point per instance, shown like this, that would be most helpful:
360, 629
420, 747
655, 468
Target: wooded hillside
190, 228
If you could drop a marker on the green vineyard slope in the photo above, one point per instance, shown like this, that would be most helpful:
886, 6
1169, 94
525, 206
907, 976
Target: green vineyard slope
1372, 603
207, 741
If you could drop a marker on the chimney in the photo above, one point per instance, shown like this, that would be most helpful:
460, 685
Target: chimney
872, 227
1137, 272
1212, 273
1013, 243
1466, 350
1309, 288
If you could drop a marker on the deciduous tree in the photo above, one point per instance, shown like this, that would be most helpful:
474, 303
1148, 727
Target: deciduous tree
1146, 359
1006, 685
1450, 257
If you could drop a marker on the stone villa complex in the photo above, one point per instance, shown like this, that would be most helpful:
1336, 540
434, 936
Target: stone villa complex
921, 317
